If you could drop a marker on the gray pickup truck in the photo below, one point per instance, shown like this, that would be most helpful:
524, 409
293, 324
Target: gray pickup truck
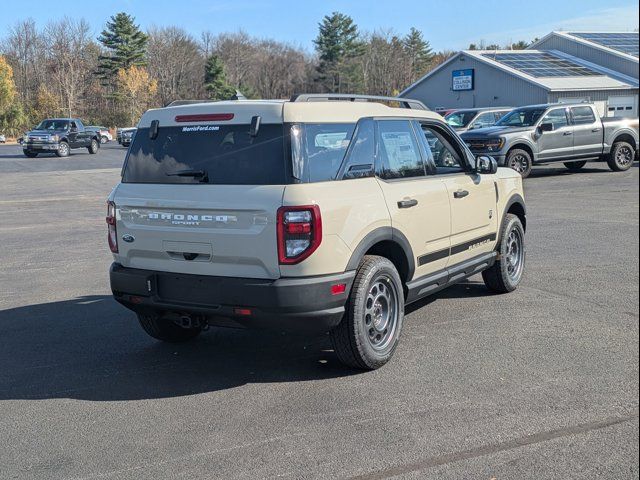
569, 133
59, 136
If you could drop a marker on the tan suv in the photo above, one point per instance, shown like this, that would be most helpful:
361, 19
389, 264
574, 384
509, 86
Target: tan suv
321, 213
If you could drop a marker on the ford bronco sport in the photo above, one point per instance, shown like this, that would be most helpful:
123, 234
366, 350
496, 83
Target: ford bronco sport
320, 212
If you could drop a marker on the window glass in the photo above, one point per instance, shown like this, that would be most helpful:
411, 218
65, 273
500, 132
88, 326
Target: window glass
399, 153
486, 119
521, 117
460, 119
582, 115
557, 117
440, 144
325, 147
500, 114
360, 157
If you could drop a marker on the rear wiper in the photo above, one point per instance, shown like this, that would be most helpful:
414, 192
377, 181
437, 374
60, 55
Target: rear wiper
202, 174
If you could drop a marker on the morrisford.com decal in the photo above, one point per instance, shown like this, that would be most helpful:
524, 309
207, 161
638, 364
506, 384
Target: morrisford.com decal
201, 128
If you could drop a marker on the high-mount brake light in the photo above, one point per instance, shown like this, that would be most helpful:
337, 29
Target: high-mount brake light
205, 117
299, 233
112, 234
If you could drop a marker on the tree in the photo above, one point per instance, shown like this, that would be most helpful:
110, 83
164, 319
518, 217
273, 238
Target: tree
418, 52
125, 44
338, 45
137, 89
7, 87
215, 80
47, 104
520, 45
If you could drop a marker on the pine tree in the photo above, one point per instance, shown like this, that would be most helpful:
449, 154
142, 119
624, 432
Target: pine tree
125, 43
418, 51
215, 80
338, 45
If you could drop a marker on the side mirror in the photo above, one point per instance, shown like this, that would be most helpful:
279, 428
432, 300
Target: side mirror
545, 127
486, 165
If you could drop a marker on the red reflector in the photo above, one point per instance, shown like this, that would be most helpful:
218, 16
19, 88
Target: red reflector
297, 228
205, 117
242, 311
338, 288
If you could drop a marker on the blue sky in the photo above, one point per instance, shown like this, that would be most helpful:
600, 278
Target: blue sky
447, 25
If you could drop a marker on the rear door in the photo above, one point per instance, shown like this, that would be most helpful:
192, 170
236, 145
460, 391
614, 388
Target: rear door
587, 131
201, 198
558, 143
418, 204
472, 197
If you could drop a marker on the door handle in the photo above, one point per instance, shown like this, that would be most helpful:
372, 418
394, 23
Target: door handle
567, 134
408, 203
594, 130
460, 194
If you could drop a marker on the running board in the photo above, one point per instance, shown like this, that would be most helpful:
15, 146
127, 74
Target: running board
434, 282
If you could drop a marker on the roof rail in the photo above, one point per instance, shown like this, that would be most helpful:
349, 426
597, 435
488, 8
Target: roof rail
177, 103
327, 97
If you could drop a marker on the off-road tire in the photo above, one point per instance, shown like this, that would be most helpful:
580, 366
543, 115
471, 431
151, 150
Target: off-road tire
520, 161
63, 149
166, 330
614, 159
498, 278
94, 147
351, 339
575, 166
29, 154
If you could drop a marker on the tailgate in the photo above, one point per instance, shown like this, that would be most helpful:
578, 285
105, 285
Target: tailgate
218, 230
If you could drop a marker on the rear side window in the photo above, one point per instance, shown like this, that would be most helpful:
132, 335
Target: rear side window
214, 154
362, 150
582, 115
399, 153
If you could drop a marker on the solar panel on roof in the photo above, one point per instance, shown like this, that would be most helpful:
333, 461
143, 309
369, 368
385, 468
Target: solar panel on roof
622, 42
541, 64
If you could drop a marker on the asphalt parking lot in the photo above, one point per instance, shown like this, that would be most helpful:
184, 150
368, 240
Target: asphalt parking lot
541, 383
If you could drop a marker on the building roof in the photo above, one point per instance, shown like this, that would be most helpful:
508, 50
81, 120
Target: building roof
621, 44
548, 69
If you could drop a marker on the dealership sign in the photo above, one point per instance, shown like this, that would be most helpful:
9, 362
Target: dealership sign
462, 79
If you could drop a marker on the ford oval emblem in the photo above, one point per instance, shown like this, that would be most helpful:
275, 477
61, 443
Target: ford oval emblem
128, 238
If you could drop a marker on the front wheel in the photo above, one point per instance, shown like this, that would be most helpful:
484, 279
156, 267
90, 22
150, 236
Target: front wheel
166, 329
103, 139
93, 148
63, 149
621, 157
520, 161
370, 329
505, 275
575, 166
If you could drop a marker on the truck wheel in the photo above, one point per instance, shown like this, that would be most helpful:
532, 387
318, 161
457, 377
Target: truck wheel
103, 139
63, 149
369, 332
29, 154
575, 166
93, 148
520, 161
166, 330
621, 157
505, 275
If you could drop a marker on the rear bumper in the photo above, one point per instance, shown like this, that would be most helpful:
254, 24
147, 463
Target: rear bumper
286, 303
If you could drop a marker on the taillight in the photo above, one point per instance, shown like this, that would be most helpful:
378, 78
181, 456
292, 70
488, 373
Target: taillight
112, 235
299, 233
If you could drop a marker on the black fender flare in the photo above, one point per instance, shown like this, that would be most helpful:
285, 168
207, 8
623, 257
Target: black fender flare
378, 235
515, 198
523, 142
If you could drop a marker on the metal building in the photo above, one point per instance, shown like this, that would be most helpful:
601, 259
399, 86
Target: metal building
601, 67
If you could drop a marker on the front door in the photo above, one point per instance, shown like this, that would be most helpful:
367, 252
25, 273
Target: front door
558, 143
472, 197
418, 204
73, 134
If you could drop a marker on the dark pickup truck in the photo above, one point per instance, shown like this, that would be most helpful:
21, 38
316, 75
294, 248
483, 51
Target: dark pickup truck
59, 136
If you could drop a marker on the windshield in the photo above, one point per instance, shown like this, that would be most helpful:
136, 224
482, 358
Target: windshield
213, 154
53, 125
460, 119
522, 117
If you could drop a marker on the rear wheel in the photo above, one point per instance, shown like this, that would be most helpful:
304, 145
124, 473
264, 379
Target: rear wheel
505, 275
575, 166
621, 157
93, 148
30, 154
63, 149
370, 329
166, 329
520, 161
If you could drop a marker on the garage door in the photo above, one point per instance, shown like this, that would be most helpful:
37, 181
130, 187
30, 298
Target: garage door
622, 106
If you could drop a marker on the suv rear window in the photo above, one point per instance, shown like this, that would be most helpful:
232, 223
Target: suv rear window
221, 154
